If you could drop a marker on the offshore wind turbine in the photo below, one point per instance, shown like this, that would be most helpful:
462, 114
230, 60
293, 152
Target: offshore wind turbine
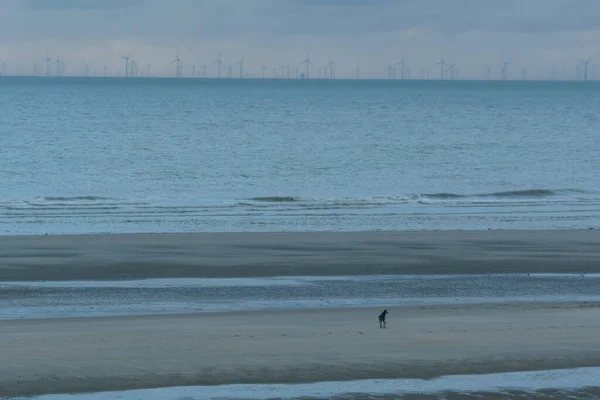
178, 65
241, 64
219, 62
443, 65
133, 68
450, 68
126, 58
47, 60
585, 64
505, 65
357, 72
488, 71
331, 67
390, 70
308, 64
402, 68
263, 68
60, 65
285, 68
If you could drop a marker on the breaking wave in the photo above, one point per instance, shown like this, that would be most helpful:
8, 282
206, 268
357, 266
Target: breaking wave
528, 193
564, 208
74, 198
275, 199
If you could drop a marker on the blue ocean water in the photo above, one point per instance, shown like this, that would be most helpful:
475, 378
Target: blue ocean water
92, 155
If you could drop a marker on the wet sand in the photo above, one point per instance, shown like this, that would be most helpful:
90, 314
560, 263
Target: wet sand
97, 257
119, 353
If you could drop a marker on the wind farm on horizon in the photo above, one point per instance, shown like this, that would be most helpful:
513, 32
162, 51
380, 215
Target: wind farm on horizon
581, 69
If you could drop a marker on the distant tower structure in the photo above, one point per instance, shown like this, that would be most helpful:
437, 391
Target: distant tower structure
241, 66
178, 66
308, 64
219, 63
585, 64
126, 58
443, 66
505, 65
47, 60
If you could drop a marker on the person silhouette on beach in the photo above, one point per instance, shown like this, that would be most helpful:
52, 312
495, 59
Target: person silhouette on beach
382, 322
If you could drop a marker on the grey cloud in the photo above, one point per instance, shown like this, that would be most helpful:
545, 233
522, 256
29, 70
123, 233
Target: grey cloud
536, 30
181, 18
68, 5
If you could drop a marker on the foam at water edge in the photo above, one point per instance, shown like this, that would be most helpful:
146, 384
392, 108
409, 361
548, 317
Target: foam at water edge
267, 281
525, 381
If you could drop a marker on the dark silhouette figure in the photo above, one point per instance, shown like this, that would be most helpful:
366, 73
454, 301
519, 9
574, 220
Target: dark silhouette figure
382, 323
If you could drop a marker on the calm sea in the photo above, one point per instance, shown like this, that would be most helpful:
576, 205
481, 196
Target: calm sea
166, 155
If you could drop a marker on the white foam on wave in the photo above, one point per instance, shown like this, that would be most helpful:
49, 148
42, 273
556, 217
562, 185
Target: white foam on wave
263, 281
567, 379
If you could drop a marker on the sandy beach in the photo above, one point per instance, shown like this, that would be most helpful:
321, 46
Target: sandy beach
116, 353
97, 257
72, 355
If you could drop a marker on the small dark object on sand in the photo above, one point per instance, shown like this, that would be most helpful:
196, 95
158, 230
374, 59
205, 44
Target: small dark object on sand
382, 323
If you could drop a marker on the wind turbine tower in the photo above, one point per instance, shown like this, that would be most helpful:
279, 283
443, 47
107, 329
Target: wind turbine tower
585, 64
308, 64
451, 69
126, 58
390, 71
505, 65
133, 68
60, 65
241, 64
402, 68
219, 62
331, 67
47, 60
178, 65
263, 68
443, 65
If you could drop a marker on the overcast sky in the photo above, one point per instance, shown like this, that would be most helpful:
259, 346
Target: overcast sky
473, 34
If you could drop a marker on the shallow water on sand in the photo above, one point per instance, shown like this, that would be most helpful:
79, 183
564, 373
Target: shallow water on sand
155, 296
581, 384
